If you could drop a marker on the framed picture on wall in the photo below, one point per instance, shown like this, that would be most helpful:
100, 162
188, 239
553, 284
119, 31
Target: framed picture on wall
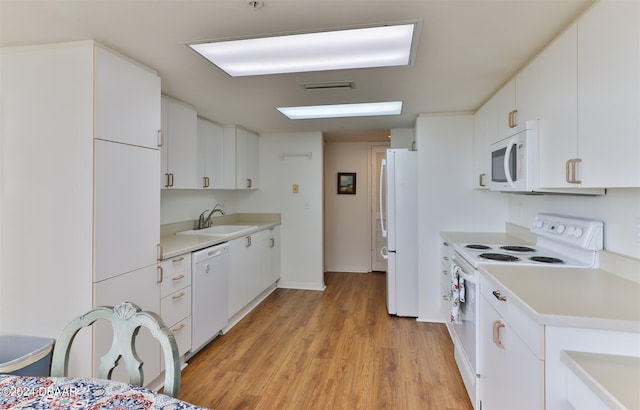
347, 183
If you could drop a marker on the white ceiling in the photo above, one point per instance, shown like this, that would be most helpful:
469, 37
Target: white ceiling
467, 49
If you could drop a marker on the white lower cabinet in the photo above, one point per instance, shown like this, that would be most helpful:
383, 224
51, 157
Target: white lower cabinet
244, 272
511, 353
270, 255
175, 303
254, 265
141, 287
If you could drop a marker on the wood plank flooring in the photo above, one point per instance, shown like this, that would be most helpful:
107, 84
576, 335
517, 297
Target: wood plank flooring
337, 349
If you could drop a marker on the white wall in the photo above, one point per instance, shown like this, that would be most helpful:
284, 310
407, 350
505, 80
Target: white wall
447, 200
302, 213
619, 209
347, 244
180, 205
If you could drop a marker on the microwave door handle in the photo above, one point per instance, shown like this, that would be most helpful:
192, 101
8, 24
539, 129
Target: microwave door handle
383, 167
507, 172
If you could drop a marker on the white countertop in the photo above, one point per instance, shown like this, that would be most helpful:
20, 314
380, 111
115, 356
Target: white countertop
173, 244
614, 379
572, 297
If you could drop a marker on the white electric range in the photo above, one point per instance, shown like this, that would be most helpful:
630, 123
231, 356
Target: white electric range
561, 241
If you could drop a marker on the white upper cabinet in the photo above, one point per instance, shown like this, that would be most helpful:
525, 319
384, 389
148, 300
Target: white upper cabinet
506, 103
241, 158
210, 155
179, 165
517, 101
485, 127
558, 109
127, 100
609, 95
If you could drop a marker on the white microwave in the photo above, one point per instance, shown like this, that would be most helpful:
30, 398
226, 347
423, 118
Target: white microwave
514, 160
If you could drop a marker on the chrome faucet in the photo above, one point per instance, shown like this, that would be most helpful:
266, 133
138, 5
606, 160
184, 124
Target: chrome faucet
203, 222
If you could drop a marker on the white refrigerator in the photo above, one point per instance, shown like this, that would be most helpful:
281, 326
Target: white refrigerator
399, 222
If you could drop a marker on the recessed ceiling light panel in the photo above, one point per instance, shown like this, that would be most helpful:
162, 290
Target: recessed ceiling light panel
383, 46
342, 110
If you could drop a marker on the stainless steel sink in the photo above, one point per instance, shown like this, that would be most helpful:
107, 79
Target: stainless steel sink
219, 230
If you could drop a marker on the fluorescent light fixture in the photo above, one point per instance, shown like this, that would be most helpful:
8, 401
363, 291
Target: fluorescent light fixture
389, 45
342, 110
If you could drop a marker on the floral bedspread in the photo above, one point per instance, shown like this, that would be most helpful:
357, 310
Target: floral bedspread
18, 392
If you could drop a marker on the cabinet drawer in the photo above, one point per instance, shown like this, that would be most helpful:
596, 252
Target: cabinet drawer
176, 274
182, 332
501, 299
176, 306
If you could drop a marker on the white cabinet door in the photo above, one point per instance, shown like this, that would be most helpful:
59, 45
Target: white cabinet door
512, 377
246, 160
127, 208
245, 273
127, 100
141, 288
485, 128
506, 100
239, 266
609, 94
558, 109
270, 250
210, 155
240, 159
179, 167
528, 93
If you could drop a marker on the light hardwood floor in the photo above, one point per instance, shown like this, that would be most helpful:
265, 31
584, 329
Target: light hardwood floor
337, 349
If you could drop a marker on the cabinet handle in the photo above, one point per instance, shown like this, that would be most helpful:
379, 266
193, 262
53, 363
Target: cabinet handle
575, 170
446, 258
514, 119
160, 138
249, 181
180, 259
273, 242
481, 180
445, 243
178, 328
167, 183
571, 171
498, 296
178, 296
205, 182
175, 278
510, 119
247, 241
171, 179
160, 275
445, 273
497, 325
160, 252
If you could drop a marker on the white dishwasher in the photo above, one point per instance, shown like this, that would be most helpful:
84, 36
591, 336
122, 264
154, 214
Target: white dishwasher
210, 271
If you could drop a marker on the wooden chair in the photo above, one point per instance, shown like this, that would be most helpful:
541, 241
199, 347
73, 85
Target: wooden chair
126, 320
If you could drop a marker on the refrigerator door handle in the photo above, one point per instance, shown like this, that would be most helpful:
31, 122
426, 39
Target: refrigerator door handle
383, 167
384, 252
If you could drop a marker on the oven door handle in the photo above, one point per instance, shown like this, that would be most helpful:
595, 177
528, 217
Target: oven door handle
467, 277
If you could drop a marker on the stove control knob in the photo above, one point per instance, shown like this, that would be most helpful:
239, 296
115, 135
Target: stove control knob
539, 224
578, 233
561, 229
570, 230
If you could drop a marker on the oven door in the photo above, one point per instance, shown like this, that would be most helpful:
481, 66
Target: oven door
466, 331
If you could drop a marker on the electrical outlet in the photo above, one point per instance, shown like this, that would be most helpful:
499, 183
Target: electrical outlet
295, 189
